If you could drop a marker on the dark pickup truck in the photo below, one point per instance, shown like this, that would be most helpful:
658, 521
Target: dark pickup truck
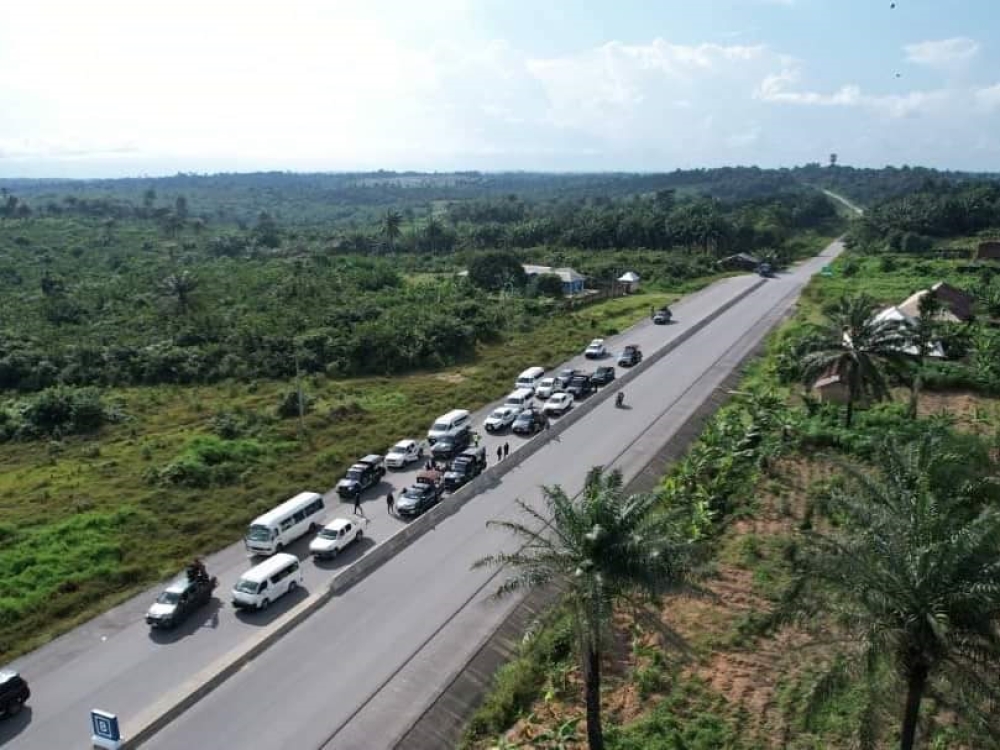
14, 692
632, 355
182, 597
465, 467
580, 386
367, 472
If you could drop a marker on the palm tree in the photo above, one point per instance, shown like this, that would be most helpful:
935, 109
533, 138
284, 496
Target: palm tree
914, 571
392, 227
924, 336
608, 548
859, 348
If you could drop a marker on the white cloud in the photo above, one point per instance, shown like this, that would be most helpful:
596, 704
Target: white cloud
943, 53
378, 83
988, 98
776, 88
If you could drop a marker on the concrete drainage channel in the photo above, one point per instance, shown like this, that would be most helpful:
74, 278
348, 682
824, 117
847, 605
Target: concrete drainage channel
177, 702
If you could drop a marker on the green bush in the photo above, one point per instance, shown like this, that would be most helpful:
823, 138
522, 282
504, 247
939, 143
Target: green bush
208, 461
63, 410
288, 406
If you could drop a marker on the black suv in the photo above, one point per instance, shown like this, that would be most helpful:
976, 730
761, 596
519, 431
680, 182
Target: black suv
367, 472
529, 422
450, 445
13, 692
603, 375
178, 600
465, 467
632, 355
580, 386
662, 316
563, 378
418, 497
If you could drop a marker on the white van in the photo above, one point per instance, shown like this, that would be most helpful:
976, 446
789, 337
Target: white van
449, 424
529, 378
270, 532
264, 583
520, 399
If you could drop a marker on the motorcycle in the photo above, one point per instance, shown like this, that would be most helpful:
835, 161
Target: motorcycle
619, 400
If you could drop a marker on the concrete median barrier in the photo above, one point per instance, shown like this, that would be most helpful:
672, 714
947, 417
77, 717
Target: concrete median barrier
177, 702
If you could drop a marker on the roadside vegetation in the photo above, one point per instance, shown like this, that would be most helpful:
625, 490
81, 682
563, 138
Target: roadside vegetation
153, 348
851, 548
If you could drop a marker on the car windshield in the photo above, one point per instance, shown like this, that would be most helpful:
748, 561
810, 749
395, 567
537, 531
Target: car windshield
168, 597
547, 382
247, 587
415, 492
440, 427
354, 474
397, 450
258, 533
329, 533
499, 413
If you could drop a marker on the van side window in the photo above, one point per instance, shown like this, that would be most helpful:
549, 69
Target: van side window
314, 507
300, 516
287, 523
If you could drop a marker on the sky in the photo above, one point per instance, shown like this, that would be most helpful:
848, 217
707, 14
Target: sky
104, 89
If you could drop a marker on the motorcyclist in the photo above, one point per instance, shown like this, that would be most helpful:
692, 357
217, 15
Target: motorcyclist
620, 398
196, 570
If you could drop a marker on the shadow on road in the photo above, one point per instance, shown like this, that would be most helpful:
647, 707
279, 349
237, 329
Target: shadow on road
274, 611
12, 726
206, 617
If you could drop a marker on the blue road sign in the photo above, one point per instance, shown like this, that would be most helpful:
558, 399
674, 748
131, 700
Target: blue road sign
105, 726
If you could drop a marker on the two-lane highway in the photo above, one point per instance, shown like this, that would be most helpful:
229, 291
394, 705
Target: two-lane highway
359, 672
115, 663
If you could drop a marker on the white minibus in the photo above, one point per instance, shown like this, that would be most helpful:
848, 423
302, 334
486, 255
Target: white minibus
529, 378
270, 532
264, 583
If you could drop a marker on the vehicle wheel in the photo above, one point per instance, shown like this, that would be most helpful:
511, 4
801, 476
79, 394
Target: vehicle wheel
14, 707
280, 547
292, 586
360, 534
264, 605
334, 552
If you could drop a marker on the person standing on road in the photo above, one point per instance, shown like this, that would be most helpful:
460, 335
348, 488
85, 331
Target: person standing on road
499, 453
390, 503
506, 449
358, 510
475, 438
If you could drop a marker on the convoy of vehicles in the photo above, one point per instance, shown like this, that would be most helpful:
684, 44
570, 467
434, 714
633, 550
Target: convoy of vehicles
450, 437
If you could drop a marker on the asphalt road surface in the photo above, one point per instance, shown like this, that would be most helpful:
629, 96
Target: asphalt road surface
359, 672
116, 663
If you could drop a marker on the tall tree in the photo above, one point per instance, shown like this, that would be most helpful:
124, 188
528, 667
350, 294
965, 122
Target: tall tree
924, 335
858, 348
181, 286
392, 227
913, 572
608, 548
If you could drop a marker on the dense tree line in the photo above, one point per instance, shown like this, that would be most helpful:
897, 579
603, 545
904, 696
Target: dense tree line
939, 209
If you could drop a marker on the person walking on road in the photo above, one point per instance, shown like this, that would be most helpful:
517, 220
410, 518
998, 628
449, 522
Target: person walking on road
499, 453
390, 503
506, 449
475, 438
358, 510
